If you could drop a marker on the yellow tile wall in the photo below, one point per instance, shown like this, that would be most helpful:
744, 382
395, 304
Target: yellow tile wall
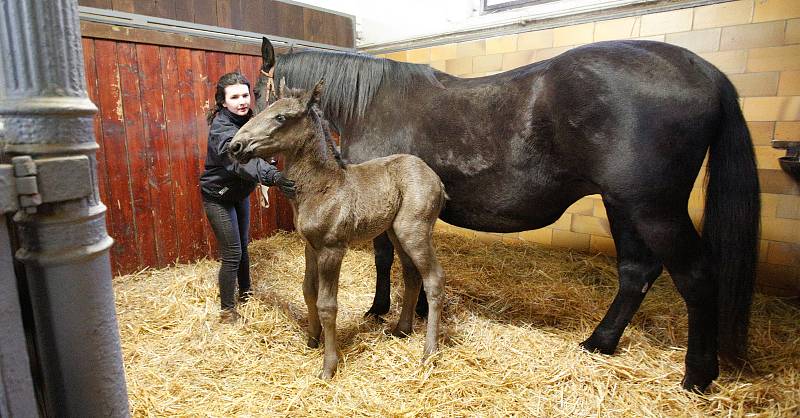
755, 42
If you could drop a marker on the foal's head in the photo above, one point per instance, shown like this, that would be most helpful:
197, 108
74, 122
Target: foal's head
282, 127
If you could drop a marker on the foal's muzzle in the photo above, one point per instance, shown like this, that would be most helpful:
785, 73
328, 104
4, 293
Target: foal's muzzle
236, 150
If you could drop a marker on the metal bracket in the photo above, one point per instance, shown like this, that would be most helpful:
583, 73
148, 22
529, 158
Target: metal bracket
27, 183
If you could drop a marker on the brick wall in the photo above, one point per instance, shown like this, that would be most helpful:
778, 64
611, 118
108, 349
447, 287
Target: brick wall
755, 42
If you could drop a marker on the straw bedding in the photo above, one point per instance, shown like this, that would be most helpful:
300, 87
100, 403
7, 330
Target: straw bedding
514, 315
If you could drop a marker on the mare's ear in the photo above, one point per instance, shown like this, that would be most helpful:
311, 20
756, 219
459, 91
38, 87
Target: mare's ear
267, 55
316, 93
282, 88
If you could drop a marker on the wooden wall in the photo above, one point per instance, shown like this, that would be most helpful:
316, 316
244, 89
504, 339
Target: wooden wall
269, 17
152, 134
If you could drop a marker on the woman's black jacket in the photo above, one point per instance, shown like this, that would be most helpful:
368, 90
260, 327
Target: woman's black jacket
224, 179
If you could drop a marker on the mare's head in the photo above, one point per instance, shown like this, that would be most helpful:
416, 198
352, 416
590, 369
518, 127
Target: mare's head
283, 127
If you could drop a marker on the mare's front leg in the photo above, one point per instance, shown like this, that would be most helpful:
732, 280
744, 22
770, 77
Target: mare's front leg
384, 256
329, 263
310, 289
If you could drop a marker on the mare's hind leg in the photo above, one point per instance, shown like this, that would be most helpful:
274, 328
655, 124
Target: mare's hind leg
310, 289
415, 237
412, 283
384, 256
638, 268
669, 233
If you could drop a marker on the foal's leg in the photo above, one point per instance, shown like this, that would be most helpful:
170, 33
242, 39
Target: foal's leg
671, 236
329, 263
384, 256
310, 289
415, 237
638, 268
412, 283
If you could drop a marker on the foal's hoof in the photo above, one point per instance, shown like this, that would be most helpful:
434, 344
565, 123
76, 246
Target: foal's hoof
312, 342
326, 374
401, 333
592, 345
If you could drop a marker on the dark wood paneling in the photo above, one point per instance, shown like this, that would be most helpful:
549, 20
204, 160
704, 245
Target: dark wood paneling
184, 10
314, 25
269, 17
167, 8
285, 20
238, 12
255, 20
100, 4
205, 12
124, 5
146, 7
224, 13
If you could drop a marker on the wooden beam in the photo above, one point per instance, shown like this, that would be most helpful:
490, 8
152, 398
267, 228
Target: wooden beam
147, 36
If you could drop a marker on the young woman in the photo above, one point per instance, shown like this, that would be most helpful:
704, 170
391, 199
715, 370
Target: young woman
226, 186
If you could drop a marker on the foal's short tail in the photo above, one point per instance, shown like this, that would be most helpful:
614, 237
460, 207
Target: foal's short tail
731, 224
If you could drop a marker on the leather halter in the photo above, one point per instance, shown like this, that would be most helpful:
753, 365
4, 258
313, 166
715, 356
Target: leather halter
270, 85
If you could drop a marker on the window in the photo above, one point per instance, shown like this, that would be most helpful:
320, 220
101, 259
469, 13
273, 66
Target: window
490, 6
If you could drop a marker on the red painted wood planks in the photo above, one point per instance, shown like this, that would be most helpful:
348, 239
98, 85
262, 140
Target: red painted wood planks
202, 86
152, 133
194, 245
175, 138
124, 253
138, 158
159, 180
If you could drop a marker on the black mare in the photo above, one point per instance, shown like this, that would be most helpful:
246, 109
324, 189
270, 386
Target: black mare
630, 120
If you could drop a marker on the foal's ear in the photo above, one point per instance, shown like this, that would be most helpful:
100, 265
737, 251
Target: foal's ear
282, 88
316, 94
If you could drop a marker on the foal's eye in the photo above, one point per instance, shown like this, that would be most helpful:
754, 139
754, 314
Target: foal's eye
280, 118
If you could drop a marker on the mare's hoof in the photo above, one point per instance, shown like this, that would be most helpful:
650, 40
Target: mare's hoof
376, 310
312, 342
374, 317
696, 380
592, 345
326, 374
698, 387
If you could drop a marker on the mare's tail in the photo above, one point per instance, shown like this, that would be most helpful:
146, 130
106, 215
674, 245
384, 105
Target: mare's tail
731, 223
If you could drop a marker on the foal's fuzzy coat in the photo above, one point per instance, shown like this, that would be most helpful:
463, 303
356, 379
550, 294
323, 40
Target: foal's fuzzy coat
337, 204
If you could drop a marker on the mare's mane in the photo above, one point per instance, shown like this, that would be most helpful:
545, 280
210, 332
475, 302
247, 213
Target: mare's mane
321, 125
351, 80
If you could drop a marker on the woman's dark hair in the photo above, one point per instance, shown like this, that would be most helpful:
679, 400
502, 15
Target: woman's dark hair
226, 80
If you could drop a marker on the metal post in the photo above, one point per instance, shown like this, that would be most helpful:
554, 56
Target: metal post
45, 113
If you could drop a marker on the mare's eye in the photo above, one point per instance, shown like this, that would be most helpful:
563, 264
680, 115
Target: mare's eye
280, 118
